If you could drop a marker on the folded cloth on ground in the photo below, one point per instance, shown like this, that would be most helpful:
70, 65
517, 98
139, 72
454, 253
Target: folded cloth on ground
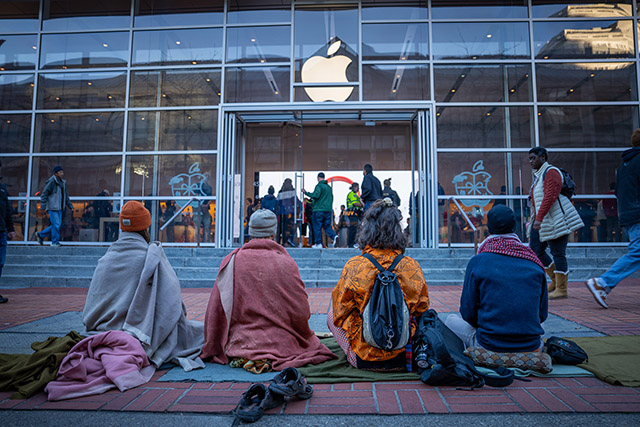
559, 371
527, 360
30, 373
339, 370
613, 359
100, 363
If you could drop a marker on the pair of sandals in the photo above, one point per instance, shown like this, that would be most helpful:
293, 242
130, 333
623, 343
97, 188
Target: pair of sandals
260, 398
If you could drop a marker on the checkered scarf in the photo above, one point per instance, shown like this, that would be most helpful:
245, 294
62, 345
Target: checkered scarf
510, 245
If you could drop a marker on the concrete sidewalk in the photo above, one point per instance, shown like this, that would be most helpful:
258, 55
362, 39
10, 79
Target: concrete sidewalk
35, 313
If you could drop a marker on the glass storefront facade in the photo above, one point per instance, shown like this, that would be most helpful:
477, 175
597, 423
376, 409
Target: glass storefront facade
130, 96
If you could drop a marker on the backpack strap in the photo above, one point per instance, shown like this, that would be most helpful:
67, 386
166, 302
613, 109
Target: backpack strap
381, 268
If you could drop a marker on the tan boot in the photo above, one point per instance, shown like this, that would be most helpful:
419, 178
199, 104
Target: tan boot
561, 286
551, 273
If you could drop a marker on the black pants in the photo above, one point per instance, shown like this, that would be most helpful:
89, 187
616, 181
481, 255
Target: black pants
558, 249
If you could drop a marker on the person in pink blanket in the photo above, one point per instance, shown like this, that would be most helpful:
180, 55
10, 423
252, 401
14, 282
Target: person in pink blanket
258, 311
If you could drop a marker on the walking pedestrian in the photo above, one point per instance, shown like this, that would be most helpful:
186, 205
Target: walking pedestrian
553, 219
322, 197
6, 227
371, 188
54, 199
628, 194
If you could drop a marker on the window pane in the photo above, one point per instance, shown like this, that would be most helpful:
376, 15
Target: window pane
64, 15
600, 217
167, 13
16, 91
249, 11
257, 84
610, 81
591, 171
77, 132
19, 15
588, 126
81, 90
395, 82
175, 87
485, 40
14, 174
258, 44
18, 209
473, 174
18, 52
174, 47
84, 50
394, 41
482, 83
173, 130
484, 127
374, 10
86, 176
182, 229
583, 39
169, 175
446, 9
14, 133
581, 8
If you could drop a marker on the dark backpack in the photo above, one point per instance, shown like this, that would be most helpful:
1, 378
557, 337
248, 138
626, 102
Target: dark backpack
385, 318
565, 352
568, 184
440, 359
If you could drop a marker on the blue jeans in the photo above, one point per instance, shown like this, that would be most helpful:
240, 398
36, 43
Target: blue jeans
367, 205
322, 220
3, 249
55, 217
628, 263
558, 250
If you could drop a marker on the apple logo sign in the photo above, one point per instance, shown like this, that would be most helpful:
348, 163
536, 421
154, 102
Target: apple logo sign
332, 69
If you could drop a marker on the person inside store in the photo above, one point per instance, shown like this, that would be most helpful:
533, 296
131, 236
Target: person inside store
504, 295
389, 192
288, 206
353, 213
381, 236
258, 312
371, 188
134, 289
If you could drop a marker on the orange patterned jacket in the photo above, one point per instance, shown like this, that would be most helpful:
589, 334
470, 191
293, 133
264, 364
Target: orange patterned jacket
351, 294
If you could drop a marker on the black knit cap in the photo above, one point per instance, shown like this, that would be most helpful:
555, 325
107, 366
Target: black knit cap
501, 220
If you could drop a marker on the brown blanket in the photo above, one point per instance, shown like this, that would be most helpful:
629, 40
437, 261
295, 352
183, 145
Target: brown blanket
259, 309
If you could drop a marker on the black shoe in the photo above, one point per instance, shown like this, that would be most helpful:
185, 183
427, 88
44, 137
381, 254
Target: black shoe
257, 399
39, 237
290, 383
3, 299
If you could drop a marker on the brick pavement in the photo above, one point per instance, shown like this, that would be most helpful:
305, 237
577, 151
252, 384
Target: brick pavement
540, 395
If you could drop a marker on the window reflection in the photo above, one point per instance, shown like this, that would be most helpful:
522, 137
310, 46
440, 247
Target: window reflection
18, 52
19, 15
168, 13
79, 132
587, 126
609, 81
447, 9
84, 50
175, 87
395, 82
14, 174
486, 127
14, 133
580, 8
16, 91
250, 11
173, 130
257, 84
583, 39
64, 15
258, 44
471, 40
482, 83
195, 218
175, 47
394, 41
18, 209
81, 90
374, 10
591, 171
169, 175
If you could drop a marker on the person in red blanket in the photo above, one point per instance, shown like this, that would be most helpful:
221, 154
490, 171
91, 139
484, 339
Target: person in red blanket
258, 312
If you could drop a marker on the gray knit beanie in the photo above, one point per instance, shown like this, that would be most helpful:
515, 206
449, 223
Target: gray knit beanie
263, 223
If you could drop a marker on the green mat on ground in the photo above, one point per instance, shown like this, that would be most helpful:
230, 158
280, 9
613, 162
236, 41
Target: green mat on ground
615, 360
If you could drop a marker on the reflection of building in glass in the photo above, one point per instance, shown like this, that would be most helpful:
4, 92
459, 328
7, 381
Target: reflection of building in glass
597, 10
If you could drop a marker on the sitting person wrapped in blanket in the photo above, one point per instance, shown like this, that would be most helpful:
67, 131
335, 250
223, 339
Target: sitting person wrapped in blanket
258, 312
134, 289
380, 236
504, 297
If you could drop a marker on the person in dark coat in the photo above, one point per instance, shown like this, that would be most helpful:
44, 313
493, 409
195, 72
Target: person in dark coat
371, 188
6, 227
389, 192
54, 198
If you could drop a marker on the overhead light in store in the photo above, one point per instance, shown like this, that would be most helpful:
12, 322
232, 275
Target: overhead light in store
262, 60
462, 76
89, 83
545, 57
52, 120
109, 97
97, 120
394, 90
218, 93
34, 47
512, 90
488, 114
189, 117
178, 42
438, 114
105, 45
592, 75
489, 36
141, 118
571, 90
29, 84
403, 58
194, 62
474, 57
276, 92
8, 121
1, 68
453, 90
207, 79
164, 95
57, 98
539, 114
253, 40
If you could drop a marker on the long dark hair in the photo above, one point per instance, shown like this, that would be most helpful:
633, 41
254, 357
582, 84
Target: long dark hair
381, 228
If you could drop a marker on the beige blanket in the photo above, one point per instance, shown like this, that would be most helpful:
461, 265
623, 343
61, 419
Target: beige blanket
135, 289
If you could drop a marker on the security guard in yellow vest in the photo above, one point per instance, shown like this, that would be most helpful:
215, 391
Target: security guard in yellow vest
353, 213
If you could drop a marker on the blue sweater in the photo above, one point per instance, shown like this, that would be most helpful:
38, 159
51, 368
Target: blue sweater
505, 298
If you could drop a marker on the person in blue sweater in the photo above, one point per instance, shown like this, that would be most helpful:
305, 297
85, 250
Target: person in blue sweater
504, 297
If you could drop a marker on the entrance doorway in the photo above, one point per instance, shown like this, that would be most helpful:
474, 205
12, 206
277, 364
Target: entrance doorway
271, 156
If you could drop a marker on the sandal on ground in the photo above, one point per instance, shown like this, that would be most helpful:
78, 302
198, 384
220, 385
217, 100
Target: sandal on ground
254, 402
290, 383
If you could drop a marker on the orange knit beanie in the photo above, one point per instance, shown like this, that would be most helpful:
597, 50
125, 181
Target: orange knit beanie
134, 217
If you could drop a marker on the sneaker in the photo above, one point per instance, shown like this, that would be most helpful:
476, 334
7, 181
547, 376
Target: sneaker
56, 245
317, 246
599, 293
356, 246
335, 242
39, 237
